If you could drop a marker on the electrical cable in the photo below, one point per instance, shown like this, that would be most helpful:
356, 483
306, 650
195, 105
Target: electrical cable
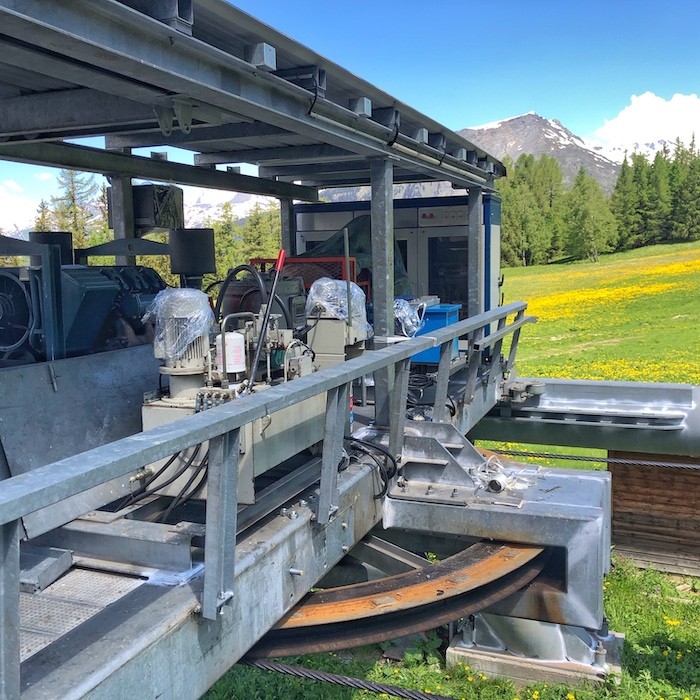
211, 286
178, 473
128, 500
183, 496
379, 448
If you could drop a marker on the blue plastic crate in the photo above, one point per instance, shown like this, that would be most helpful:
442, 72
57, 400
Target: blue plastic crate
438, 317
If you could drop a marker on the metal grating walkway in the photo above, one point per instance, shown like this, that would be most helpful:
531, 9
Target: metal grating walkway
62, 606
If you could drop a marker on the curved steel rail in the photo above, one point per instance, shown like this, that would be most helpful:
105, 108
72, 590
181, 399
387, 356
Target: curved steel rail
371, 612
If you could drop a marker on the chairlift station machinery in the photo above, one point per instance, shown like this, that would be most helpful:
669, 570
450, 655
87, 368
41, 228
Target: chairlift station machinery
180, 468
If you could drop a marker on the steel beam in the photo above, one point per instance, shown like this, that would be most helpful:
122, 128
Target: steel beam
70, 110
308, 154
476, 254
199, 136
382, 215
96, 160
65, 72
9, 610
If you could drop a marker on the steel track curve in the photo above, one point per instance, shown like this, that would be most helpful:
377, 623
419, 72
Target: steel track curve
367, 613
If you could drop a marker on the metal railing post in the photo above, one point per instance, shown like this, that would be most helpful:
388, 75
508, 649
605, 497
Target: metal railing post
443, 379
220, 534
337, 407
397, 416
514, 341
9, 610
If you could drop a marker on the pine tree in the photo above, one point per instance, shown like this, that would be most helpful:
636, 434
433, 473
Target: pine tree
531, 220
660, 202
590, 226
72, 209
687, 205
622, 205
640, 231
262, 234
227, 240
43, 217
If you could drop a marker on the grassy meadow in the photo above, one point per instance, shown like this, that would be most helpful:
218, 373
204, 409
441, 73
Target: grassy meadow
632, 316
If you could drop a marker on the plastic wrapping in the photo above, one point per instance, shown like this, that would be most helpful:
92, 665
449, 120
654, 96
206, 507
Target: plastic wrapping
407, 318
180, 316
330, 297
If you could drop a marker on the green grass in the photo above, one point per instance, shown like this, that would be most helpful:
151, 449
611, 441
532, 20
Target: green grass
633, 316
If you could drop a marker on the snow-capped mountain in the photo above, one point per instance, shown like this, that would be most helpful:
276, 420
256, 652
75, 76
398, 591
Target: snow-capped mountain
527, 133
203, 205
618, 152
532, 134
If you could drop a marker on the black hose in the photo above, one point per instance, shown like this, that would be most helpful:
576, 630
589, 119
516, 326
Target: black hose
230, 277
379, 448
277, 300
183, 496
167, 482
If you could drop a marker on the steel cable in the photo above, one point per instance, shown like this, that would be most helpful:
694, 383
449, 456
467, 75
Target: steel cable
347, 681
606, 460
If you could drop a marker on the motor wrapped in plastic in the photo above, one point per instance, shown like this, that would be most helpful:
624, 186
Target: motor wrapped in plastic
183, 318
407, 318
330, 298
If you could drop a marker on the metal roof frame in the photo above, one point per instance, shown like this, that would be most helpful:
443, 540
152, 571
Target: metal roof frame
204, 76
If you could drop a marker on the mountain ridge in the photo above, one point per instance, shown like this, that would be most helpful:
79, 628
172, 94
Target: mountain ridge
535, 135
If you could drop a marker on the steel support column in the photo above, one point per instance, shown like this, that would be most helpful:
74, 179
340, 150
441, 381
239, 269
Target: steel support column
382, 213
220, 539
288, 223
123, 214
9, 610
476, 255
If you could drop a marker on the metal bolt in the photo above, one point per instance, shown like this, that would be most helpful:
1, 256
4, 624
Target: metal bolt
344, 526
296, 572
303, 503
284, 512
345, 548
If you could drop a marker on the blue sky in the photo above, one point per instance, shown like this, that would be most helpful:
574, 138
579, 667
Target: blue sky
466, 63
609, 71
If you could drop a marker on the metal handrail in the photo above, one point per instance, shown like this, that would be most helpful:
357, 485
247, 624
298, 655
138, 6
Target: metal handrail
42, 487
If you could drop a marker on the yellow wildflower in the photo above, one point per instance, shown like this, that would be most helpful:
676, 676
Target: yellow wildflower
535, 694
470, 678
570, 696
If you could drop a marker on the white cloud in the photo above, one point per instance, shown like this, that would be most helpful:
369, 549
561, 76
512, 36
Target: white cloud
16, 209
650, 118
44, 177
12, 186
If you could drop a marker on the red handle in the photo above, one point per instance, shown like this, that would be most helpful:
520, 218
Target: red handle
280, 260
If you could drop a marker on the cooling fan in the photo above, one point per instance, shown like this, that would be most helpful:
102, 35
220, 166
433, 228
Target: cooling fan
15, 312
